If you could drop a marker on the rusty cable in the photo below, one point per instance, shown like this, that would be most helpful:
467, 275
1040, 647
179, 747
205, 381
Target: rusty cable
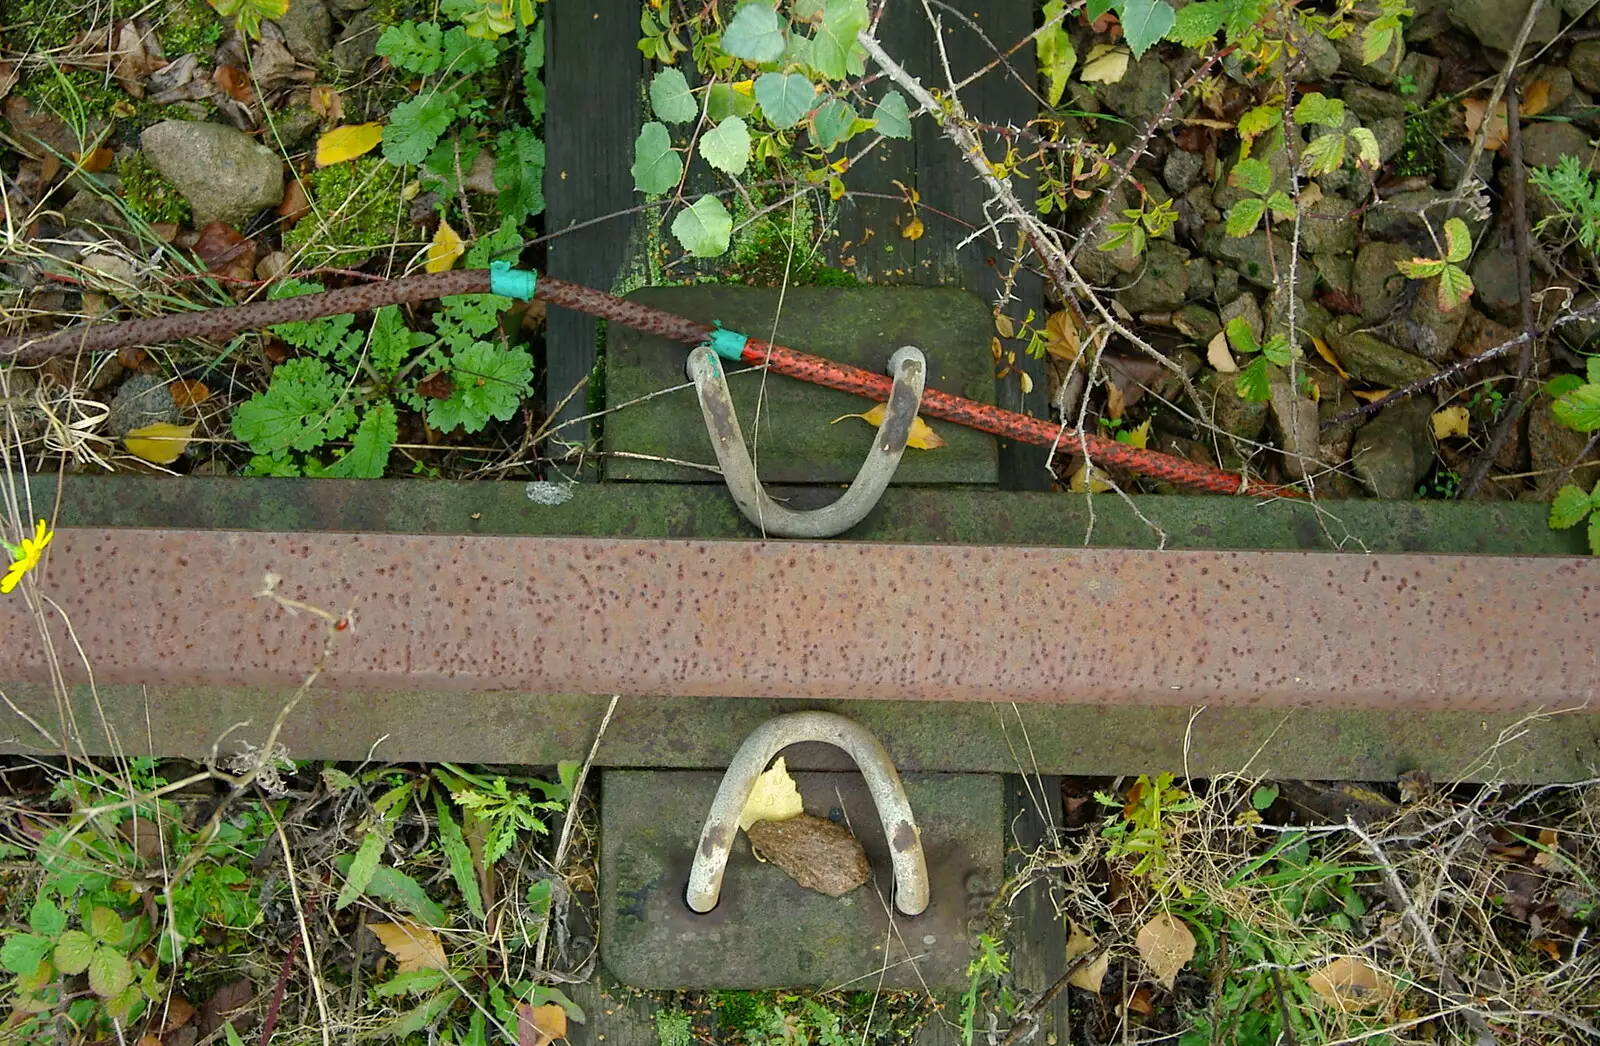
227, 321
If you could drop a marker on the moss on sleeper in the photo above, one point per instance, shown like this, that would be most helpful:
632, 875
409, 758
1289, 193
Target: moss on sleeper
761, 252
356, 210
150, 196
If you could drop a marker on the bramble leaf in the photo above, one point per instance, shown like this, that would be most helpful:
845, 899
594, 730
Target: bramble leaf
785, 98
1579, 409
109, 973
1569, 507
1281, 205
47, 919
727, 146
74, 949
705, 228
1245, 216
1594, 534
671, 98
1198, 23
1420, 268
1324, 155
756, 34
1319, 110
1455, 287
656, 165
1276, 350
1252, 383
892, 116
1367, 153
414, 128
1241, 337
1251, 175
23, 953
1457, 240
1258, 121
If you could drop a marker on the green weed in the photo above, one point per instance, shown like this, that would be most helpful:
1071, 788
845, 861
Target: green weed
1573, 197
148, 195
1577, 406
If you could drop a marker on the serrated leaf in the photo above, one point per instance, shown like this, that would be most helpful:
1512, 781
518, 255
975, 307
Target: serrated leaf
1319, 110
347, 142
160, 443
1420, 268
109, 973
892, 116
1253, 383
785, 98
1281, 206
414, 128
1144, 22
725, 100
1241, 337
1455, 287
834, 46
1457, 240
1054, 53
1579, 409
73, 951
414, 47
1324, 155
1252, 175
445, 247
416, 983
656, 166
1105, 64
832, 123
727, 146
459, 855
414, 947
301, 409
704, 228
24, 953
755, 34
1166, 945
105, 926
368, 455
1258, 121
392, 341
362, 868
1263, 797
1594, 534
519, 174
1367, 153
1376, 40
1198, 23
45, 918
490, 383
1276, 350
1245, 216
671, 98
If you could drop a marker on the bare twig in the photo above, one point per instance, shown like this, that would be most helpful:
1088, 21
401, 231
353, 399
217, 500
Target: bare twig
1028, 1023
1467, 171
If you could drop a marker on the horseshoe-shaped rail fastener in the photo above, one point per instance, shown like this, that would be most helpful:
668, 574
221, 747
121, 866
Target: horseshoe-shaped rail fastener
894, 809
909, 370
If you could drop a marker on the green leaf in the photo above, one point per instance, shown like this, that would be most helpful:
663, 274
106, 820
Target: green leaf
23, 953
834, 51
1324, 155
1317, 109
414, 128
109, 972
1251, 175
74, 949
414, 983
727, 146
1281, 205
519, 173
1276, 350
671, 98
1592, 368
105, 926
703, 229
893, 117
1579, 409
533, 50
399, 889
1245, 216
1253, 383
1241, 337
1376, 40
413, 1021
1263, 797
324, 336
1420, 268
832, 123
302, 408
465, 55
1570, 506
1457, 240
656, 166
1144, 22
490, 383
1096, 8
1562, 384
723, 101
785, 98
230, 1034
756, 34
47, 919
1055, 54
1258, 121
1594, 534
368, 455
415, 47
392, 341
361, 869
1367, 154
460, 857
1455, 287
1198, 23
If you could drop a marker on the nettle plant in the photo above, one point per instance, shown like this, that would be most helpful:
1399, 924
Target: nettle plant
768, 77
349, 381
445, 126
1577, 406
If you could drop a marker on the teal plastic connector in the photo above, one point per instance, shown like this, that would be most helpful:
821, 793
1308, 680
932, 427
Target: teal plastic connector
727, 344
512, 283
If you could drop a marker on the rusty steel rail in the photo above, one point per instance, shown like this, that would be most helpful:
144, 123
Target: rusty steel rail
822, 620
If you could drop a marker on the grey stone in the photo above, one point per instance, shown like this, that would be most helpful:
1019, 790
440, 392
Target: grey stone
1390, 132
30, 421
1580, 336
1584, 64
1376, 281
143, 399
1182, 170
1552, 447
348, 6
223, 174
1249, 255
1429, 330
1294, 421
1370, 103
1494, 280
1322, 58
1372, 360
357, 44
1409, 215
297, 127
117, 275
1453, 161
1141, 92
1163, 283
307, 30
1327, 226
1429, 19
1246, 308
1227, 285
1202, 278
1545, 142
1423, 69
1232, 413
88, 210
1496, 23
1310, 318
1394, 451
1336, 270
1197, 323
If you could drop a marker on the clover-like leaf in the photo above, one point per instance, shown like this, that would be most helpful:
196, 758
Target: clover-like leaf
785, 98
704, 229
892, 116
656, 165
727, 146
756, 34
671, 98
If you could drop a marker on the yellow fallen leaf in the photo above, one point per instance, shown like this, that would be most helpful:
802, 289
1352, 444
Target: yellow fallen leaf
445, 248
913, 229
1218, 356
1061, 338
1088, 481
161, 443
1328, 356
347, 142
541, 1025
1451, 421
414, 947
1003, 325
1106, 64
1351, 984
1091, 976
1138, 436
922, 435
1549, 844
1166, 946
774, 798
1370, 395
1026, 381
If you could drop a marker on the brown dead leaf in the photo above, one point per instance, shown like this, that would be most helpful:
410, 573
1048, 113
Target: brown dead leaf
225, 250
235, 83
1549, 845
1351, 984
1166, 946
132, 359
1116, 403
1061, 337
540, 1025
1548, 947
10, 73
133, 58
296, 204
413, 946
97, 161
179, 1012
186, 394
327, 103
1139, 1003
1535, 99
438, 386
1090, 976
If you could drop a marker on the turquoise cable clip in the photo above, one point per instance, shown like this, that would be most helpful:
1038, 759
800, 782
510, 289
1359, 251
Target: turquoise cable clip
726, 343
512, 283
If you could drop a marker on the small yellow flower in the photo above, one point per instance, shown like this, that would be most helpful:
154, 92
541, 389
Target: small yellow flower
25, 558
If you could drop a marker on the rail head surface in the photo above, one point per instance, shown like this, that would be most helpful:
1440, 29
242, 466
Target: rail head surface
821, 620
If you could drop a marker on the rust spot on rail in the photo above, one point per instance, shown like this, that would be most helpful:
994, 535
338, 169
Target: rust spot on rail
823, 620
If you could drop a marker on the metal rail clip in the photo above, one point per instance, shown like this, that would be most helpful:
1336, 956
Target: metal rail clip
909, 370
894, 809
